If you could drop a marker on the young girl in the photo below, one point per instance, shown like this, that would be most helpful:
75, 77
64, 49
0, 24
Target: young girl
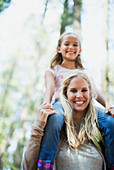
66, 61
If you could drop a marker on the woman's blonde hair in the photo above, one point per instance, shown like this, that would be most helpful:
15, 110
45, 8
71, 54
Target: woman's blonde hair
88, 127
57, 59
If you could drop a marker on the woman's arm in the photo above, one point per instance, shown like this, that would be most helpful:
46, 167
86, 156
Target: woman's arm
50, 87
32, 152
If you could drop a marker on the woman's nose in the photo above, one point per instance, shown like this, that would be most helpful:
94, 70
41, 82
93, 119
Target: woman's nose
79, 94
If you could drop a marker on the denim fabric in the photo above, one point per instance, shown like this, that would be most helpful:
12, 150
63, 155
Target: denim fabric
106, 123
50, 140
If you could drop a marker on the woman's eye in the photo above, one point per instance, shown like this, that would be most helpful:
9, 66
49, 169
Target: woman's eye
75, 45
66, 44
73, 91
84, 90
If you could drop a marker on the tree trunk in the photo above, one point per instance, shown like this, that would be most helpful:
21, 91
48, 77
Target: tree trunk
64, 17
44, 13
77, 17
105, 77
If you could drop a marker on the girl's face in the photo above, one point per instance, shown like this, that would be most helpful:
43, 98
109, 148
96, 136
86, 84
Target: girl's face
70, 47
78, 93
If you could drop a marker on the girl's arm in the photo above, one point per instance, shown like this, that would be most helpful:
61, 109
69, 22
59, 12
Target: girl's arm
102, 100
100, 97
50, 87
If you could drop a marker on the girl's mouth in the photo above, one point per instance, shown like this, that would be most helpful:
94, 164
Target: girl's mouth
71, 52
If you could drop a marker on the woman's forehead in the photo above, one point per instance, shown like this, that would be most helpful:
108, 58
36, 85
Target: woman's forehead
78, 81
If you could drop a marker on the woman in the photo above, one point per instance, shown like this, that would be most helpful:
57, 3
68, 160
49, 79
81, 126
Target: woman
79, 143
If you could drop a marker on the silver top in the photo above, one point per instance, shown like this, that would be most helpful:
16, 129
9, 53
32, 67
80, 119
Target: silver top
86, 157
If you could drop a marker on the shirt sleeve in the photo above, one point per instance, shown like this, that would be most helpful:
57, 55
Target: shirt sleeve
32, 152
51, 70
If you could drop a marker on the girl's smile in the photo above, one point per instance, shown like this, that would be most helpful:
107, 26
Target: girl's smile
70, 48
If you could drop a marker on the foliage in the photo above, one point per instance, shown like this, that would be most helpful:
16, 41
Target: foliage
22, 82
67, 16
8, 164
4, 4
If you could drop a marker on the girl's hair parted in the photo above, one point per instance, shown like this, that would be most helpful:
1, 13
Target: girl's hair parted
88, 126
57, 59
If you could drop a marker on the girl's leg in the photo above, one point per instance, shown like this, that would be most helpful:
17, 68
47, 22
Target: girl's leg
106, 123
50, 140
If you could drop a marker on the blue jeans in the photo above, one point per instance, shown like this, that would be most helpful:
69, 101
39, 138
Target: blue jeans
50, 140
106, 123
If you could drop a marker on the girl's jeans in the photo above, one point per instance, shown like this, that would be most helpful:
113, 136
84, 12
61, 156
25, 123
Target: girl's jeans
50, 140
106, 123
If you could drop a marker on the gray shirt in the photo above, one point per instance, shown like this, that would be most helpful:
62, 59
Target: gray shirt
86, 157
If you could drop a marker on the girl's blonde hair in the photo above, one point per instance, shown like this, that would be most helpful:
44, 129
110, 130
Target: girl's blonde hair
57, 59
88, 126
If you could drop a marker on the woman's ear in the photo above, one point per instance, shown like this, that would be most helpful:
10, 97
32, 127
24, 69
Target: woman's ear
80, 50
58, 49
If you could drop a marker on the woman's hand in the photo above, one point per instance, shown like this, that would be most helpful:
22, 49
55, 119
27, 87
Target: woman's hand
45, 110
110, 110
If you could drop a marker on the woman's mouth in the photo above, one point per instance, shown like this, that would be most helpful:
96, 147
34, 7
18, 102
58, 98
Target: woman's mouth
79, 102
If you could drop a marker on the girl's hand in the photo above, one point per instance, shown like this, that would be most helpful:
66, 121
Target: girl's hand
110, 110
45, 110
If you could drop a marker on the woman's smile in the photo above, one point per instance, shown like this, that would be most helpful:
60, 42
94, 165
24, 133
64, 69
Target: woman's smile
78, 93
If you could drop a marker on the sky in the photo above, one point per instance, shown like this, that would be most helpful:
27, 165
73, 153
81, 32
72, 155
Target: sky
13, 19
93, 27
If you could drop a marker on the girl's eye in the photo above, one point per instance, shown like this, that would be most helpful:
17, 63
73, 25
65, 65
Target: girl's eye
75, 45
67, 44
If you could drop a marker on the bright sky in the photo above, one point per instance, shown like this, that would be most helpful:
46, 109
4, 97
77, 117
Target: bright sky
93, 40
93, 24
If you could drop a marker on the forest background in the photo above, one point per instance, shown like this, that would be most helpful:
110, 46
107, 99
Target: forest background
28, 38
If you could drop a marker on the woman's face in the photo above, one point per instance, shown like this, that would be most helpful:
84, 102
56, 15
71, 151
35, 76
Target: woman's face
78, 93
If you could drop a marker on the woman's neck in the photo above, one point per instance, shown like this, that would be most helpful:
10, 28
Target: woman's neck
77, 119
69, 65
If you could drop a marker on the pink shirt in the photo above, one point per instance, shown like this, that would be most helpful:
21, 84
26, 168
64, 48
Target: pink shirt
59, 73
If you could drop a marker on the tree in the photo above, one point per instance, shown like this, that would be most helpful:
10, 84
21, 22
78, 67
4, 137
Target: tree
71, 16
4, 4
77, 16
17, 114
105, 77
67, 16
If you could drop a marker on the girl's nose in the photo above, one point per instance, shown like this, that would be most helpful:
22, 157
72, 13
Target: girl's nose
70, 46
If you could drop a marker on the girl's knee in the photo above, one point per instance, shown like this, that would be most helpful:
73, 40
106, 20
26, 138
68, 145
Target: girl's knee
105, 121
56, 121
110, 123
